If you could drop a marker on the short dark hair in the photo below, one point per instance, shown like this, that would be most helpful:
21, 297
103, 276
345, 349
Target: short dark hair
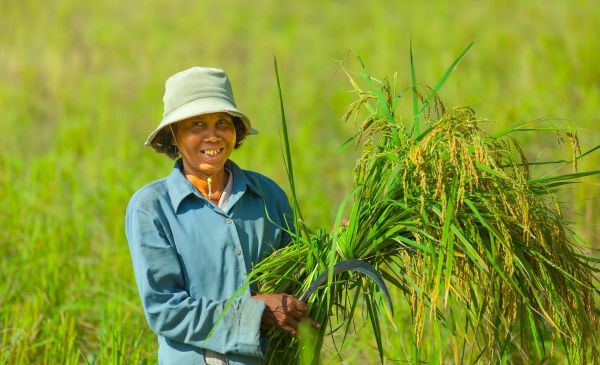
163, 141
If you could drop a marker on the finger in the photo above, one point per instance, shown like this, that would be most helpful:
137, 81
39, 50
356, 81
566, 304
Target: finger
290, 330
297, 315
292, 322
300, 306
312, 322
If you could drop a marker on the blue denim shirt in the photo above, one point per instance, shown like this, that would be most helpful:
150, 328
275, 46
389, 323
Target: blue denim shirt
190, 257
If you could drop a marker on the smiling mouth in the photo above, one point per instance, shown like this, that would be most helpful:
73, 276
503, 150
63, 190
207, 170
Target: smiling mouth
211, 153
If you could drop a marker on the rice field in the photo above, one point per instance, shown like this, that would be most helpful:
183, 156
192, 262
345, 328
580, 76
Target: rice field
81, 85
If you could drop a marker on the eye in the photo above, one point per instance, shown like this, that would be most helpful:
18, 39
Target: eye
198, 123
224, 123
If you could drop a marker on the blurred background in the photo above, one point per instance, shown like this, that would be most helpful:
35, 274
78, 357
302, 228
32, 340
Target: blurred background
81, 86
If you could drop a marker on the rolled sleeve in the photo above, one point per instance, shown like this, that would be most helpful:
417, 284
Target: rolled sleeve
248, 334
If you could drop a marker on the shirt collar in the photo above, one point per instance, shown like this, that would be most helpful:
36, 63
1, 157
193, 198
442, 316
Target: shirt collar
179, 187
242, 181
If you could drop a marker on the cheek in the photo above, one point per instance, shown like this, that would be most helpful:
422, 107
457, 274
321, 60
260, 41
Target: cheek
229, 136
191, 139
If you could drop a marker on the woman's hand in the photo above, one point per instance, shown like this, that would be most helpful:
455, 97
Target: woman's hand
284, 311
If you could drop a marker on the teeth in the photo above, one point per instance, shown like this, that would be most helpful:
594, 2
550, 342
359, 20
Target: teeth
212, 152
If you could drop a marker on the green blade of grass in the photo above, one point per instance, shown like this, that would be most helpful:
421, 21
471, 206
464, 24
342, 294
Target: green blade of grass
351, 265
373, 316
415, 97
288, 153
590, 151
444, 77
575, 175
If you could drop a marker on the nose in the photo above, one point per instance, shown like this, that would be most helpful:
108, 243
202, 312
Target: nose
211, 135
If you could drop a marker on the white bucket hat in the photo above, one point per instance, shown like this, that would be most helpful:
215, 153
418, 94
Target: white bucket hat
197, 91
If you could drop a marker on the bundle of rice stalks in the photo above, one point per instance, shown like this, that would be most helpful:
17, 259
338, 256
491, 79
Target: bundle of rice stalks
453, 217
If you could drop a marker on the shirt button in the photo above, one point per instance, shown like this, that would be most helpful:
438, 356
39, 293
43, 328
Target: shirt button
237, 251
228, 220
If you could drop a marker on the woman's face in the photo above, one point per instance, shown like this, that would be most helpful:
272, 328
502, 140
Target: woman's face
206, 142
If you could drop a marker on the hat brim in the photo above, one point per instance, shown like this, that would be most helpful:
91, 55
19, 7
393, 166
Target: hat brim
199, 107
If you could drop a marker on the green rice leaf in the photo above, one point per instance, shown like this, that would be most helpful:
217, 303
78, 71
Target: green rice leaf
288, 153
355, 266
444, 77
415, 96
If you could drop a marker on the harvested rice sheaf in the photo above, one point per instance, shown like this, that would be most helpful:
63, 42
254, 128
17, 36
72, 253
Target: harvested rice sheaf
453, 218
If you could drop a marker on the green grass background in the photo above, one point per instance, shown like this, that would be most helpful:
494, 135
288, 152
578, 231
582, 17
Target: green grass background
81, 86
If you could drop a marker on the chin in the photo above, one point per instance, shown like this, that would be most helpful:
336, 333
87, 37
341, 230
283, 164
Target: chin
210, 169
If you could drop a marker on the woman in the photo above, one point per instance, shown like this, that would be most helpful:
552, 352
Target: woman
195, 234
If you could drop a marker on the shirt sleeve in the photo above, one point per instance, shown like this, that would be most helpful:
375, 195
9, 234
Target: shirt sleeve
226, 326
